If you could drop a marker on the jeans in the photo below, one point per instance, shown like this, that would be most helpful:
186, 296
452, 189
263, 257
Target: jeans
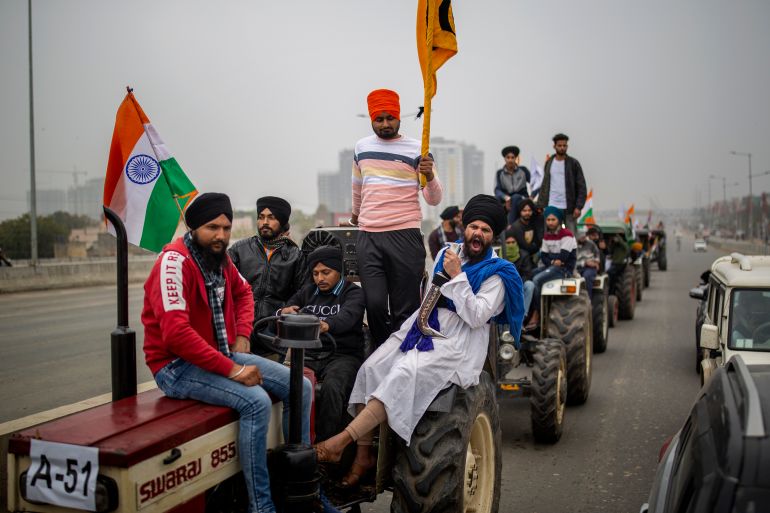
529, 290
542, 275
589, 273
513, 214
182, 380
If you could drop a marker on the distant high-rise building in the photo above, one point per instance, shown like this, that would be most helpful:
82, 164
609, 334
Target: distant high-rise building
87, 199
461, 171
48, 201
334, 188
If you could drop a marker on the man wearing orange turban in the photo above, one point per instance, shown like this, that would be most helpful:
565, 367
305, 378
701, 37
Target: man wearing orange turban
386, 208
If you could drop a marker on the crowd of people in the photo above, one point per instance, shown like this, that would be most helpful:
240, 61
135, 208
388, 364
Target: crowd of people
203, 300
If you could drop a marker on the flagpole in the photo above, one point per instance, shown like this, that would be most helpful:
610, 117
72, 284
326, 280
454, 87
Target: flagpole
428, 85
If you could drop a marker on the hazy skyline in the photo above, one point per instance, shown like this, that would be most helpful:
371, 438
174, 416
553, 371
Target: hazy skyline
255, 98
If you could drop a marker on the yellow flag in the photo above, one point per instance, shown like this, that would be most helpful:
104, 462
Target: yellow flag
436, 44
436, 41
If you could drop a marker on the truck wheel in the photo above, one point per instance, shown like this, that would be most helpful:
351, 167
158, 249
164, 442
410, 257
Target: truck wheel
454, 461
601, 320
569, 320
639, 282
549, 390
612, 306
627, 293
646, 270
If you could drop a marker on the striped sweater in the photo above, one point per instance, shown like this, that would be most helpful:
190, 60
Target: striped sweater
559, 245
386, 184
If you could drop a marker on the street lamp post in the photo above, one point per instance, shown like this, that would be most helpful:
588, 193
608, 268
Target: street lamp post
32, 186
751, 199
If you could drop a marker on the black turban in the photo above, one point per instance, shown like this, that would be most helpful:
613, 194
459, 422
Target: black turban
511, 149
488, 209
278, 206
207, 207
329, 256
450, 212
527, 202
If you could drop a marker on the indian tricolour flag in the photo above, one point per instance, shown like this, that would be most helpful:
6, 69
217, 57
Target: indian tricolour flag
144, 185
587, 215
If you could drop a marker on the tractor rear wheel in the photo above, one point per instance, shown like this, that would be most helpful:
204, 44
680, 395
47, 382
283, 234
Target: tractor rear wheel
549, 390
454, 460
569, 320
626, 292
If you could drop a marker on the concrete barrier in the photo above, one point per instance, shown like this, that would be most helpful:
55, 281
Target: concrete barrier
57, 275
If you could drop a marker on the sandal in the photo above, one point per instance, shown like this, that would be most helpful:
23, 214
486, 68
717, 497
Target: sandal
356, 474
324, 454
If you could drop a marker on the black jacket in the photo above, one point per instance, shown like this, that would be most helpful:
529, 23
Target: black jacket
344, 314
575, 185
272, 282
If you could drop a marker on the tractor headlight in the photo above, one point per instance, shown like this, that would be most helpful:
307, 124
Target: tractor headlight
507, 337
506, 352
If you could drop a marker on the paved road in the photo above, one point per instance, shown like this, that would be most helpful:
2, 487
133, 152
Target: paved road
54, 349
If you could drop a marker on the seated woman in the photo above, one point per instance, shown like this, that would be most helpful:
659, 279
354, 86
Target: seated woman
340, 307
558, 255
401, 378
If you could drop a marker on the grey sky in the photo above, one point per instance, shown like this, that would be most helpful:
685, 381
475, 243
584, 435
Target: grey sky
256, 97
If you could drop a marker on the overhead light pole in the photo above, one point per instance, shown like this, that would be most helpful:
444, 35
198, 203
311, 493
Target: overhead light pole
32, 185
751, 199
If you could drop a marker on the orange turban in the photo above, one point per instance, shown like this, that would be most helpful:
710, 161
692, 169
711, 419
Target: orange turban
383, 100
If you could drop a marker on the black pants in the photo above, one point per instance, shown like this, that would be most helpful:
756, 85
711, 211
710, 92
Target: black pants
337, 374
391, 266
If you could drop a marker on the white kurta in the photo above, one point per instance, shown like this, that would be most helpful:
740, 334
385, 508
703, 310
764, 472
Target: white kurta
408, 382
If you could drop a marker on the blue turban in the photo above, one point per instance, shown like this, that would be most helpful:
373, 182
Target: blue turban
556, 211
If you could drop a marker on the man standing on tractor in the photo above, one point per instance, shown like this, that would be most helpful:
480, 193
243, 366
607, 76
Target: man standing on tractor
449, 230
271, 263
387, 167
564, 185
401, 378
197, 318
511, 182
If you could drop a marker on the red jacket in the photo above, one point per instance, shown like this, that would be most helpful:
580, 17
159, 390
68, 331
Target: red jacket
177, 318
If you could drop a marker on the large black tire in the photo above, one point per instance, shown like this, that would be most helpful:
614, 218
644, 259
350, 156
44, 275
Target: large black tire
612, 306
639, 282
454, 460
569, 320
549, 390
646, 270
626, 292
662, 261
601, 320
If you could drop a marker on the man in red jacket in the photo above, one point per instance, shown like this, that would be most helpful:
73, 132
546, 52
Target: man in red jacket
197, 316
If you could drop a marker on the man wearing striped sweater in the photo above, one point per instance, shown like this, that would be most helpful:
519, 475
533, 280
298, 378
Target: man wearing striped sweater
386, 207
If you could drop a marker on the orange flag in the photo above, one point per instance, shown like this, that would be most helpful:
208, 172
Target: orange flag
436, 44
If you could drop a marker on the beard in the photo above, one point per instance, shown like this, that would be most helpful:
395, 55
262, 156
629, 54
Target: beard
267, 233
212, 259
475, 247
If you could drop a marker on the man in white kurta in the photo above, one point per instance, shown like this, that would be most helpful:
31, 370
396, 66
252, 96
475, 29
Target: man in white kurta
401, 378
408, 382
